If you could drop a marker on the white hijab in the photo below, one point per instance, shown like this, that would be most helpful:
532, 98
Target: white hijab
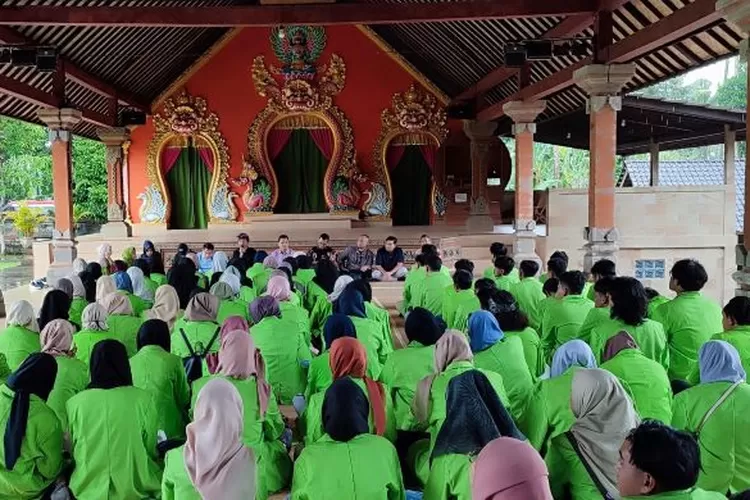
139, 284
338, 287
21, 314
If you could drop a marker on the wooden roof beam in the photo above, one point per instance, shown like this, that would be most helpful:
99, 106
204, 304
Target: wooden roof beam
274, 15
692, 18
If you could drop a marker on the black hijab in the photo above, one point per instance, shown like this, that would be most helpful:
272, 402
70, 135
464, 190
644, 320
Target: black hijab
92, 273
475, 416
154, 332
36, 375
346, 411
56, 305
182, 277
326, 275
337, 326
422, 326
363, 286
109, 365
144, 266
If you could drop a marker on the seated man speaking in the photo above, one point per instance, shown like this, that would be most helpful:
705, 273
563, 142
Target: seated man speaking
389, 262
357, 261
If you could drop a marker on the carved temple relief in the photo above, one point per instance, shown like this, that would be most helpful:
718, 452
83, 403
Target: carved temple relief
414, 119
300, 96
185, 120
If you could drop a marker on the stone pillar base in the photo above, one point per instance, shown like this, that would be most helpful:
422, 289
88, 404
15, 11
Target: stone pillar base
64, 252
602, 244
524, 246
480, 224
117, 229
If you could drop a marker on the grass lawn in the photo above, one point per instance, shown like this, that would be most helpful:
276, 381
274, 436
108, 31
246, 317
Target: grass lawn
7, 264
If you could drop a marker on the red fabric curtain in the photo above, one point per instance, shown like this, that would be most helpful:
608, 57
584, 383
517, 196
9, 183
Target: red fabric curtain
277, 139
169, 158
323, 138
393, 155
207, 157
429, 152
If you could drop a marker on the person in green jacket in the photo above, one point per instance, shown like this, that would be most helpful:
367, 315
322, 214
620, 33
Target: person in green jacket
628, 313
125, 288
140, 290
214, 462
197, 327
601, 269
284, 348
113, 412
148, 283
242, 365
230, 304
123, 323
348, 462
160, 373
72, 374
459, 297
498, 249
374, 311
563, 319
79, 301
21, 335
647, 380
736, 323
659, 462
369, 332
548, 414
305, 272
584, 460
431, 291
494, 352
718, 411
412, 284
601, 312
326, 274
529, 291
95, 329
475, 417
166, 306
549, 288
654, 301
56, 305
689, 319
504, 276
280, 288
324, 308
32, 453
404, 368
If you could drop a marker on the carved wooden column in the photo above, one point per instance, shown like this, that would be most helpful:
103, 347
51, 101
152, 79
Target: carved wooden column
482, 135
603, 83
114, 139
60, 122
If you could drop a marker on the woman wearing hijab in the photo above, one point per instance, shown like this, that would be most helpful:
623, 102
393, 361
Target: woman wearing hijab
629, 313
348, 459
158, 275
56, 305
79, 301
404, 368
475, 417
89, 277
105, 258
128, 256
123, 324
72, 373
548, 414
283, 347
504, 355
646, 379
33, 446
182, 277
242, 365
21, 337
324, 308
65, 285
230, 324
509, 469
79, 266
515, 323
583, 461
374, 312
352, 303
166, 306
105, 286
261, 276
717, 410
160, 373
95, 329
140, 290
280, 289
230, 304
220, 262
114, 412
326, 274
125, 287
232, 277
197, 327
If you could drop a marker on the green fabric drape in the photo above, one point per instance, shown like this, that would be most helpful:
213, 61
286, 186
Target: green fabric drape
411, 181
188, 182
300, 171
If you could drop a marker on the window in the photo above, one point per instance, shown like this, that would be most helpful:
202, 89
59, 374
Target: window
650, 269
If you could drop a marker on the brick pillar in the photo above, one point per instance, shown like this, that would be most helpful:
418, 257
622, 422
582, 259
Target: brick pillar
523, 114
482, 135
114, 139
60, 122
603, 83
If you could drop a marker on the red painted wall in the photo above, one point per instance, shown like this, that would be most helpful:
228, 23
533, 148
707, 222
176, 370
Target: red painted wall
225, 81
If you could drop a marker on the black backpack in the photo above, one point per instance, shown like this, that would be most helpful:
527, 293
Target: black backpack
194, 363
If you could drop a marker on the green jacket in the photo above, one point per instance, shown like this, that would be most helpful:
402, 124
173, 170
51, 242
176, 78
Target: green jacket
531, 350
450, 478
113, 434
567, 472
594, 318
431, 292
402, 371
562, 320
159, 279
454, 301
176, 483
383, 318
513, 275
72, 378
260, 433
41, 457
247, 294
125, 329
648, 382
724, 440
16, 343
150, 284
138, 304
528, 293
654, 304
199, 334
85, 340
232, 307
283, 348
649, 336
549, 414
412, 288
370, 333
365, 468
320, 377
739, 337
313, 295
691, 494
304, 276
689, 321
506, 283
323, 309
162, 375
299, 316
506, 357
77, 306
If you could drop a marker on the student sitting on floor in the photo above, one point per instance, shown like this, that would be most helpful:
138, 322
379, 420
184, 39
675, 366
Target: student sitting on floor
602, 311
123, 324
736, 322
431, 291
529, 291
459, 301
563, 319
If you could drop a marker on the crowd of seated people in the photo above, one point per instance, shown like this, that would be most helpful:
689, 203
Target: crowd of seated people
244, 376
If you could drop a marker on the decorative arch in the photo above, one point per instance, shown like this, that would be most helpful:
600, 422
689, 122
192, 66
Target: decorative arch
415, 118
186, 118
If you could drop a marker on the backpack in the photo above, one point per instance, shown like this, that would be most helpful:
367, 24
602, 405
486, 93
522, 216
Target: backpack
194, 363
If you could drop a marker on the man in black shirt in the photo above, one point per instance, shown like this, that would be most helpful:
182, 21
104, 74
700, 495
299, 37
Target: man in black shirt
244, 251
321, 251
389, 262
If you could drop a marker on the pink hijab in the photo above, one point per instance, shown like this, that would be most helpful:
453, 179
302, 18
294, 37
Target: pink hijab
509, 469
218, 464
238, 358
278, 288
230, 324
57, 338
